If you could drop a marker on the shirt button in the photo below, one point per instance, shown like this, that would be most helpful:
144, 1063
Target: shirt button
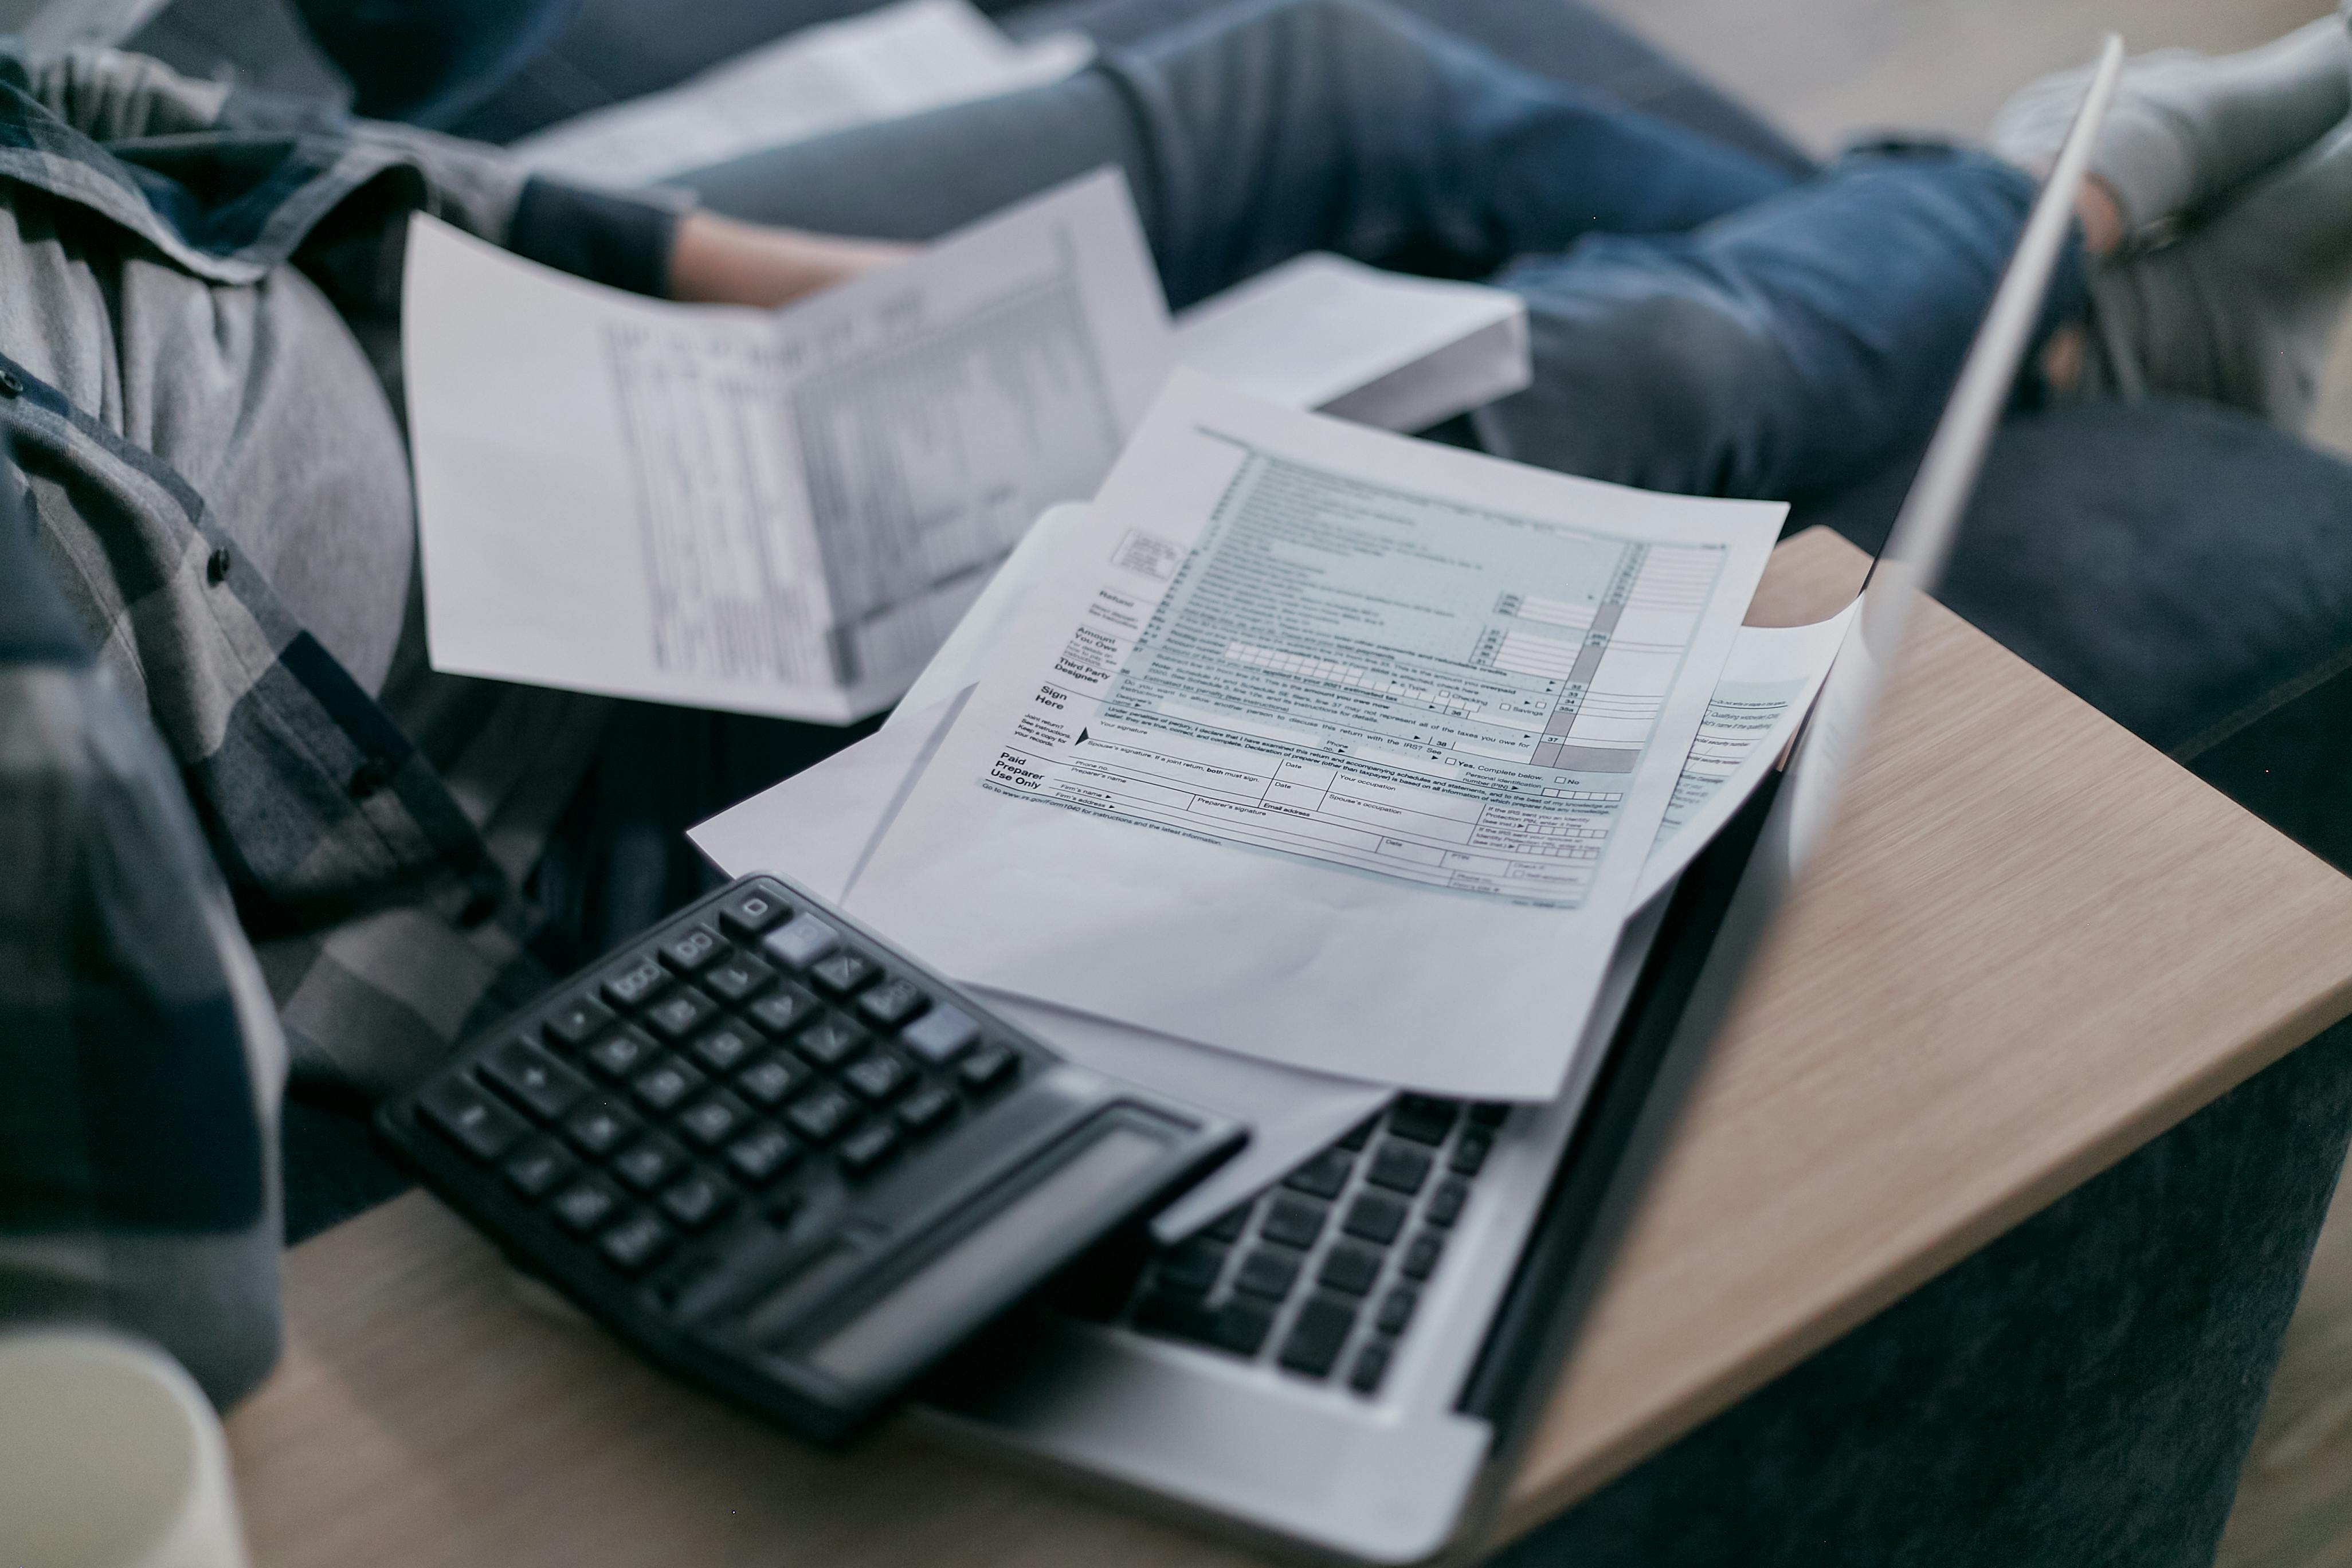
216, 567
11, 383
369, 778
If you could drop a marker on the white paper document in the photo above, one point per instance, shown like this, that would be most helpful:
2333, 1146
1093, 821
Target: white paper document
815, 828
897, 60
778, 512
1378, 348
1766, 687
1327, 747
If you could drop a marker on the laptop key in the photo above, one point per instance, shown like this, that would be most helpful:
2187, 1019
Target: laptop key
1421, 1258
1318, 1336
1400, 1167
1193, 1268
1396, 1310
1372, 1365
1445, 1202
1270, 1272
1322, 1176
1352, 1268
1423, 1118
1359, 1136
1294, 1221
1242, 1327
1228, 1226
1470, 1154
1375, 1217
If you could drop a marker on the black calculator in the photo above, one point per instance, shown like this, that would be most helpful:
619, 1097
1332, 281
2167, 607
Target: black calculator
778, 1157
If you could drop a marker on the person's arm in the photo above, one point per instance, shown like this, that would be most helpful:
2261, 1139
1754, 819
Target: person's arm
719, 260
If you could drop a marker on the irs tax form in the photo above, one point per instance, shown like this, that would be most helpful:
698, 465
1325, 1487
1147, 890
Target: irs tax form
778, 512
1327, 747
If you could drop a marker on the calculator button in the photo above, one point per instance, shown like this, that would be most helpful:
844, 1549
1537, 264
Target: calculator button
630, 985
681, 1014
989, 1069
783, 1010
866, 1149
801, 941
583, 1206
576, 1022
771, 1078
821, 1115
751, 911
713, 1119
693, 949
880, 1077
636, 1244
738, 979
598, 1129
1318, 1336
662, 1087
940, 1035
1400, 1167
725, 1047
830, 1041
539, 1168
1376, 1217
762, 1156
532, 1079
843, 972
926, 1111
621, 1052
649, 1161
696, 1201
893, 1002
471, 1119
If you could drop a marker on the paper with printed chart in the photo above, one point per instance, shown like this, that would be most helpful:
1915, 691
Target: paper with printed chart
777, 512
1326, 746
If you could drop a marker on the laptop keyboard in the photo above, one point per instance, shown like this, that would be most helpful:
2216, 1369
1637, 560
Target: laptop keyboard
1322, 1274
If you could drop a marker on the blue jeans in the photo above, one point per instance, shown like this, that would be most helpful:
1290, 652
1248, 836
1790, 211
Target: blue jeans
1701, 322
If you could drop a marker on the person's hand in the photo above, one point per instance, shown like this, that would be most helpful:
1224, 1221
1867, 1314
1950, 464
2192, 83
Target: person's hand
718, 261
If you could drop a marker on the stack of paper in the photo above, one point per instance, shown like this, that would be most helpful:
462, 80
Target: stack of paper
1306, 764
785, 512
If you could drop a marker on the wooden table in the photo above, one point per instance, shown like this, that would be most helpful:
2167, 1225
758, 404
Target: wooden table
2033, 945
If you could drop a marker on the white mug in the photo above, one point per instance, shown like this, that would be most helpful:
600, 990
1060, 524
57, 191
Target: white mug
109, 1457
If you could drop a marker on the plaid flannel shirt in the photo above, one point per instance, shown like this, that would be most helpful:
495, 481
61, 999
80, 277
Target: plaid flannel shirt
381, 898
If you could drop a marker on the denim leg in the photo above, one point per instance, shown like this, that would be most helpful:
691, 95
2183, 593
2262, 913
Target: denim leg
1793, 345
1273, 128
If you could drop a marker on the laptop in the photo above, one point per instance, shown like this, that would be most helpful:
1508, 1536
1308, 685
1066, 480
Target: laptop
1353, 1362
